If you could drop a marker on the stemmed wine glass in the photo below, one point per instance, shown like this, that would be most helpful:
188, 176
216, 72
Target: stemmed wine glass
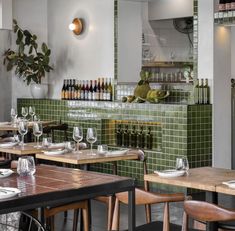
24, 112
23, 129
37, 131
13, 115
32, 111
77, 136
91, 137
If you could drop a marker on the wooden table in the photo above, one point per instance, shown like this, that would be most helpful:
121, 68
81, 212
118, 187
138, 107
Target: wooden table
85, 158
27, 149
55, 185
208, 179
11, 127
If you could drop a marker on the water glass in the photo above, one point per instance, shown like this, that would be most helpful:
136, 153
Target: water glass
46, 142
77, 136
91, 137
37, 131
36, 118
32, 112
13, 115
23, 129
102, 148
24, 112
70, 146
182, 163
26, 166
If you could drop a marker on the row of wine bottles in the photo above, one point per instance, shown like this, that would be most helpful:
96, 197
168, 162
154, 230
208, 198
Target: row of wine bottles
134, 138
226, 5
101, 89
202, 92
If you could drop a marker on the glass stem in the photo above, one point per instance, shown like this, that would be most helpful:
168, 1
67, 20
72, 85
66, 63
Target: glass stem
91, 148
77, 146
38, 141
22, 140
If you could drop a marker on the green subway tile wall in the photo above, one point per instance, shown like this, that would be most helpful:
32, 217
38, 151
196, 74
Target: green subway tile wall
177, 129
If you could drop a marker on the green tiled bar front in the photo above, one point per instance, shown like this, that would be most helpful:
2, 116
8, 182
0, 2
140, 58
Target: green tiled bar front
177, 129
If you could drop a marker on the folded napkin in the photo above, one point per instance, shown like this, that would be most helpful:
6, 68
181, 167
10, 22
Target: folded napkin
8, 144
82, 145
4, 123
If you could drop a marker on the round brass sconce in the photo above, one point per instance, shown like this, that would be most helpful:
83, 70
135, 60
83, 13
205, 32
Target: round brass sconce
76, 26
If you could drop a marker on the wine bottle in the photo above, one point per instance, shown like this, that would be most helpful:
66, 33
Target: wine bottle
73, 89
196, 92
110, 91
76, 90
149, 139
232, 4
90, 91
66, 90
63, 91
141, 138
119, 135
70, 89
126, 137
200, 92
98, 90
102, 89
94, 93
86, 90
206, 92
105, 94
227, 5
82, 90
133, 137
222, 5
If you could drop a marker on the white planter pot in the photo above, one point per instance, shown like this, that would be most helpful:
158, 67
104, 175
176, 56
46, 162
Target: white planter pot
39, 91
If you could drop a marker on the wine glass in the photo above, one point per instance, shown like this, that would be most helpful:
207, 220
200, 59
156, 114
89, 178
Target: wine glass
23, 129
77, 136
24, 112
13, 115
37, 131
182, 164
32, 112
91, 137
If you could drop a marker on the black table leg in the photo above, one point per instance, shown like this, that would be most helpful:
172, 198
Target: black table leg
131, 210
212, 197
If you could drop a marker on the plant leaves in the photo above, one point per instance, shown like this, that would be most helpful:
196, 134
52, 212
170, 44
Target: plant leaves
20, 35
9, 66
34, 37
48, 53
14, 21
21, 48
27, 33
44, 48
141, 82
30, 49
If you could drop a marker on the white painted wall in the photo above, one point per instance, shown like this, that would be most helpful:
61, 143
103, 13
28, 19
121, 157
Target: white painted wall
129, 41
31, 15
88, 56
166, 9
5, 78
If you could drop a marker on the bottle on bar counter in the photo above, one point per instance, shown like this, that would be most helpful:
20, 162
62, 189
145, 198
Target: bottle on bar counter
149, 139
105, 94
222, 5
232, 5
141, 138
62, 95
196, 92
94, 90
133, 138
73, 89
119, 135
82, 90
126, 137
90, 91
206, 93
86, 89
227, 5
110, 91
102, 89
98, 90
200, 92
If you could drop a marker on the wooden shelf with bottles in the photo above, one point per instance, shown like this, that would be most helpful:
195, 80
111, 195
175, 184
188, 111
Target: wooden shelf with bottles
167, 64
226, 18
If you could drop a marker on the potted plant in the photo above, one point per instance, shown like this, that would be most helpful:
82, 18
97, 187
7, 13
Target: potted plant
30, 62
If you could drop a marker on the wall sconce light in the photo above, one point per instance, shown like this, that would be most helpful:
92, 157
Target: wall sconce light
76, 26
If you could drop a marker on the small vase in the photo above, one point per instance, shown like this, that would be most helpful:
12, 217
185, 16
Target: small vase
39, 91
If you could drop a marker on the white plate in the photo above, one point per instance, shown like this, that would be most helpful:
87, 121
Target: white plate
5, 172
57, 145
230, 184
170, 173
8, 192
118, 152
55, 152
8, 144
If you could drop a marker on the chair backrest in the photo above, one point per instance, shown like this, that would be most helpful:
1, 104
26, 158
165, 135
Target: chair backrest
206, 212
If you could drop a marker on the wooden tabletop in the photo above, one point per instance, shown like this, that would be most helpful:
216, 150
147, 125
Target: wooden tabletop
27, 149
86, 158
54, 185
204, 178
11, 127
